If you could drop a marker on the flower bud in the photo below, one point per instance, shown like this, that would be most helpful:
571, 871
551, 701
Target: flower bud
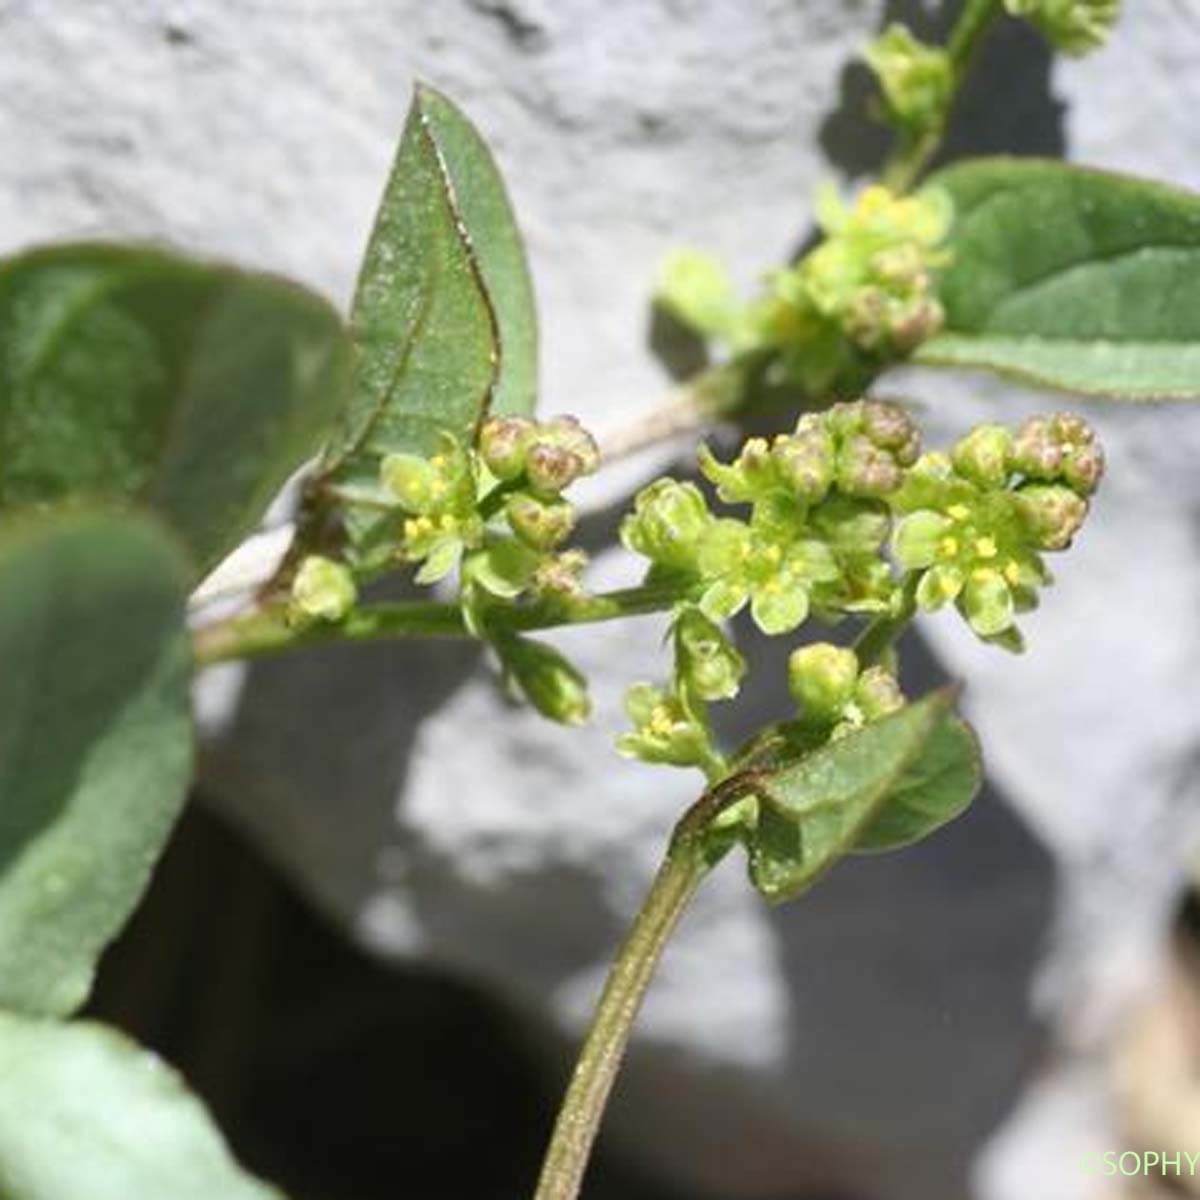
567, 433
804, 462
550, 683
866, 470
1037, 450
668, 520
983, 455
551, 469
878, 694
323, 590
1052, 513
541, 524
560, 576
706, 660
821, 677
1084, 468
889, 426
917, 80
504, 443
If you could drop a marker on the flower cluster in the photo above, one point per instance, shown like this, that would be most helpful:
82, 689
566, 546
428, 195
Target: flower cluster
498, 511
977, 522
865, 295
1072, 26
835, 694
917, 80
818, 519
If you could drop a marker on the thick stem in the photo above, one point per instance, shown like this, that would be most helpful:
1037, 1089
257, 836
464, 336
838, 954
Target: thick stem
268, 631
583, 1105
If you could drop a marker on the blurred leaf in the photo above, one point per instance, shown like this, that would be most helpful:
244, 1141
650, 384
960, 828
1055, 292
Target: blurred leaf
444, 324
95, 741
85, 1114
1071, 278
937, 787
813, 811
129, 372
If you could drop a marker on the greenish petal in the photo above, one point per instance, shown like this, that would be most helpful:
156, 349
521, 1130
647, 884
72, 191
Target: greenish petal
938, 586
917, 538
779, 610
987, 603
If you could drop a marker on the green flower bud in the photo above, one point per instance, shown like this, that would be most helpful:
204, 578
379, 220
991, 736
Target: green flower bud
1053, 514
983, 455
323, 590
567, 433
987, 602
548, 681
866, 470
664, 731
889, 426
1037, 450
804, 461
1072, 26
504, 443
821, 677
541, 524
917, 80
1084, 468
667, 523
560, 577
707, 662
551, 469
878, 694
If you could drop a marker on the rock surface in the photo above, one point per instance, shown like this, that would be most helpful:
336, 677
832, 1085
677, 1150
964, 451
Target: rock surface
872, 1039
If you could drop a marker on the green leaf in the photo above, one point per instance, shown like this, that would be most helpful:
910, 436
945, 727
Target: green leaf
85, 1114
1070, 278
444, 325
95, 740
813, 811
937, 787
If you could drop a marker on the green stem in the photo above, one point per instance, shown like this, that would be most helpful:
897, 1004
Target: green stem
883, 632
680, 875
914, 153
268, 631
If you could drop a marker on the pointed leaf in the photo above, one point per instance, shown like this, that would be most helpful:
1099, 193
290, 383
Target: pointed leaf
813, 811
85, 1114
129, 372
1071, 278
95, 741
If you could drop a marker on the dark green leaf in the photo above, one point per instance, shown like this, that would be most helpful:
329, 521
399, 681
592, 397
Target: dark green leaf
95, 740
937, 787
444, 324
85, 1114
129, 372
1071, 278
812, 812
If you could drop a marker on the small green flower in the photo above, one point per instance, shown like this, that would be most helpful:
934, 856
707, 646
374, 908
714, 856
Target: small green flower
547, 680
502, 566
821, 677
917, 80
540, 524
1072, 26
323, 590
706, 662
668, 521
664, 730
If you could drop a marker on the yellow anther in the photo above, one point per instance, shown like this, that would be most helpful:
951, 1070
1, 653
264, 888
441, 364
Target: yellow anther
437, 462
985, 574
948, 547
773, 554
447, 522
985, 547
1012, 572
660, 722
960, 512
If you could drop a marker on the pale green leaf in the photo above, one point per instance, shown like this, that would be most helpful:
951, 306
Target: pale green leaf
95, 740
85, 1114
1071, 278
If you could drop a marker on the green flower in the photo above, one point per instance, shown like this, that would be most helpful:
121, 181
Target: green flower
1072, 26
323, 590
664, 729
706, 662
667, 524
917, 80
821, 677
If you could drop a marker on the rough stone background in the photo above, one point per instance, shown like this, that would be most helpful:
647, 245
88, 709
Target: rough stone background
938, 1016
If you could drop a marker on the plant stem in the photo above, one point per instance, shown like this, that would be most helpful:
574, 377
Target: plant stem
913, 154
582, 1107
882, 633
269, 631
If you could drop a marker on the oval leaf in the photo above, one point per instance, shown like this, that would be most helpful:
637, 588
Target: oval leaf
937, 787
444, 325
1071, 278
130, 372
95, 741
85, 1113
812, 812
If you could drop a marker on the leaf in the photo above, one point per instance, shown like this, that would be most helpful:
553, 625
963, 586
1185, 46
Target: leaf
95, 740
443, 323
813, 811
128, 372
1071, 278
937, 787
85, 1114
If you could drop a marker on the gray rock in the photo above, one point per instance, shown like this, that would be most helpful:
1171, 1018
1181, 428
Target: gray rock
872, 1038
